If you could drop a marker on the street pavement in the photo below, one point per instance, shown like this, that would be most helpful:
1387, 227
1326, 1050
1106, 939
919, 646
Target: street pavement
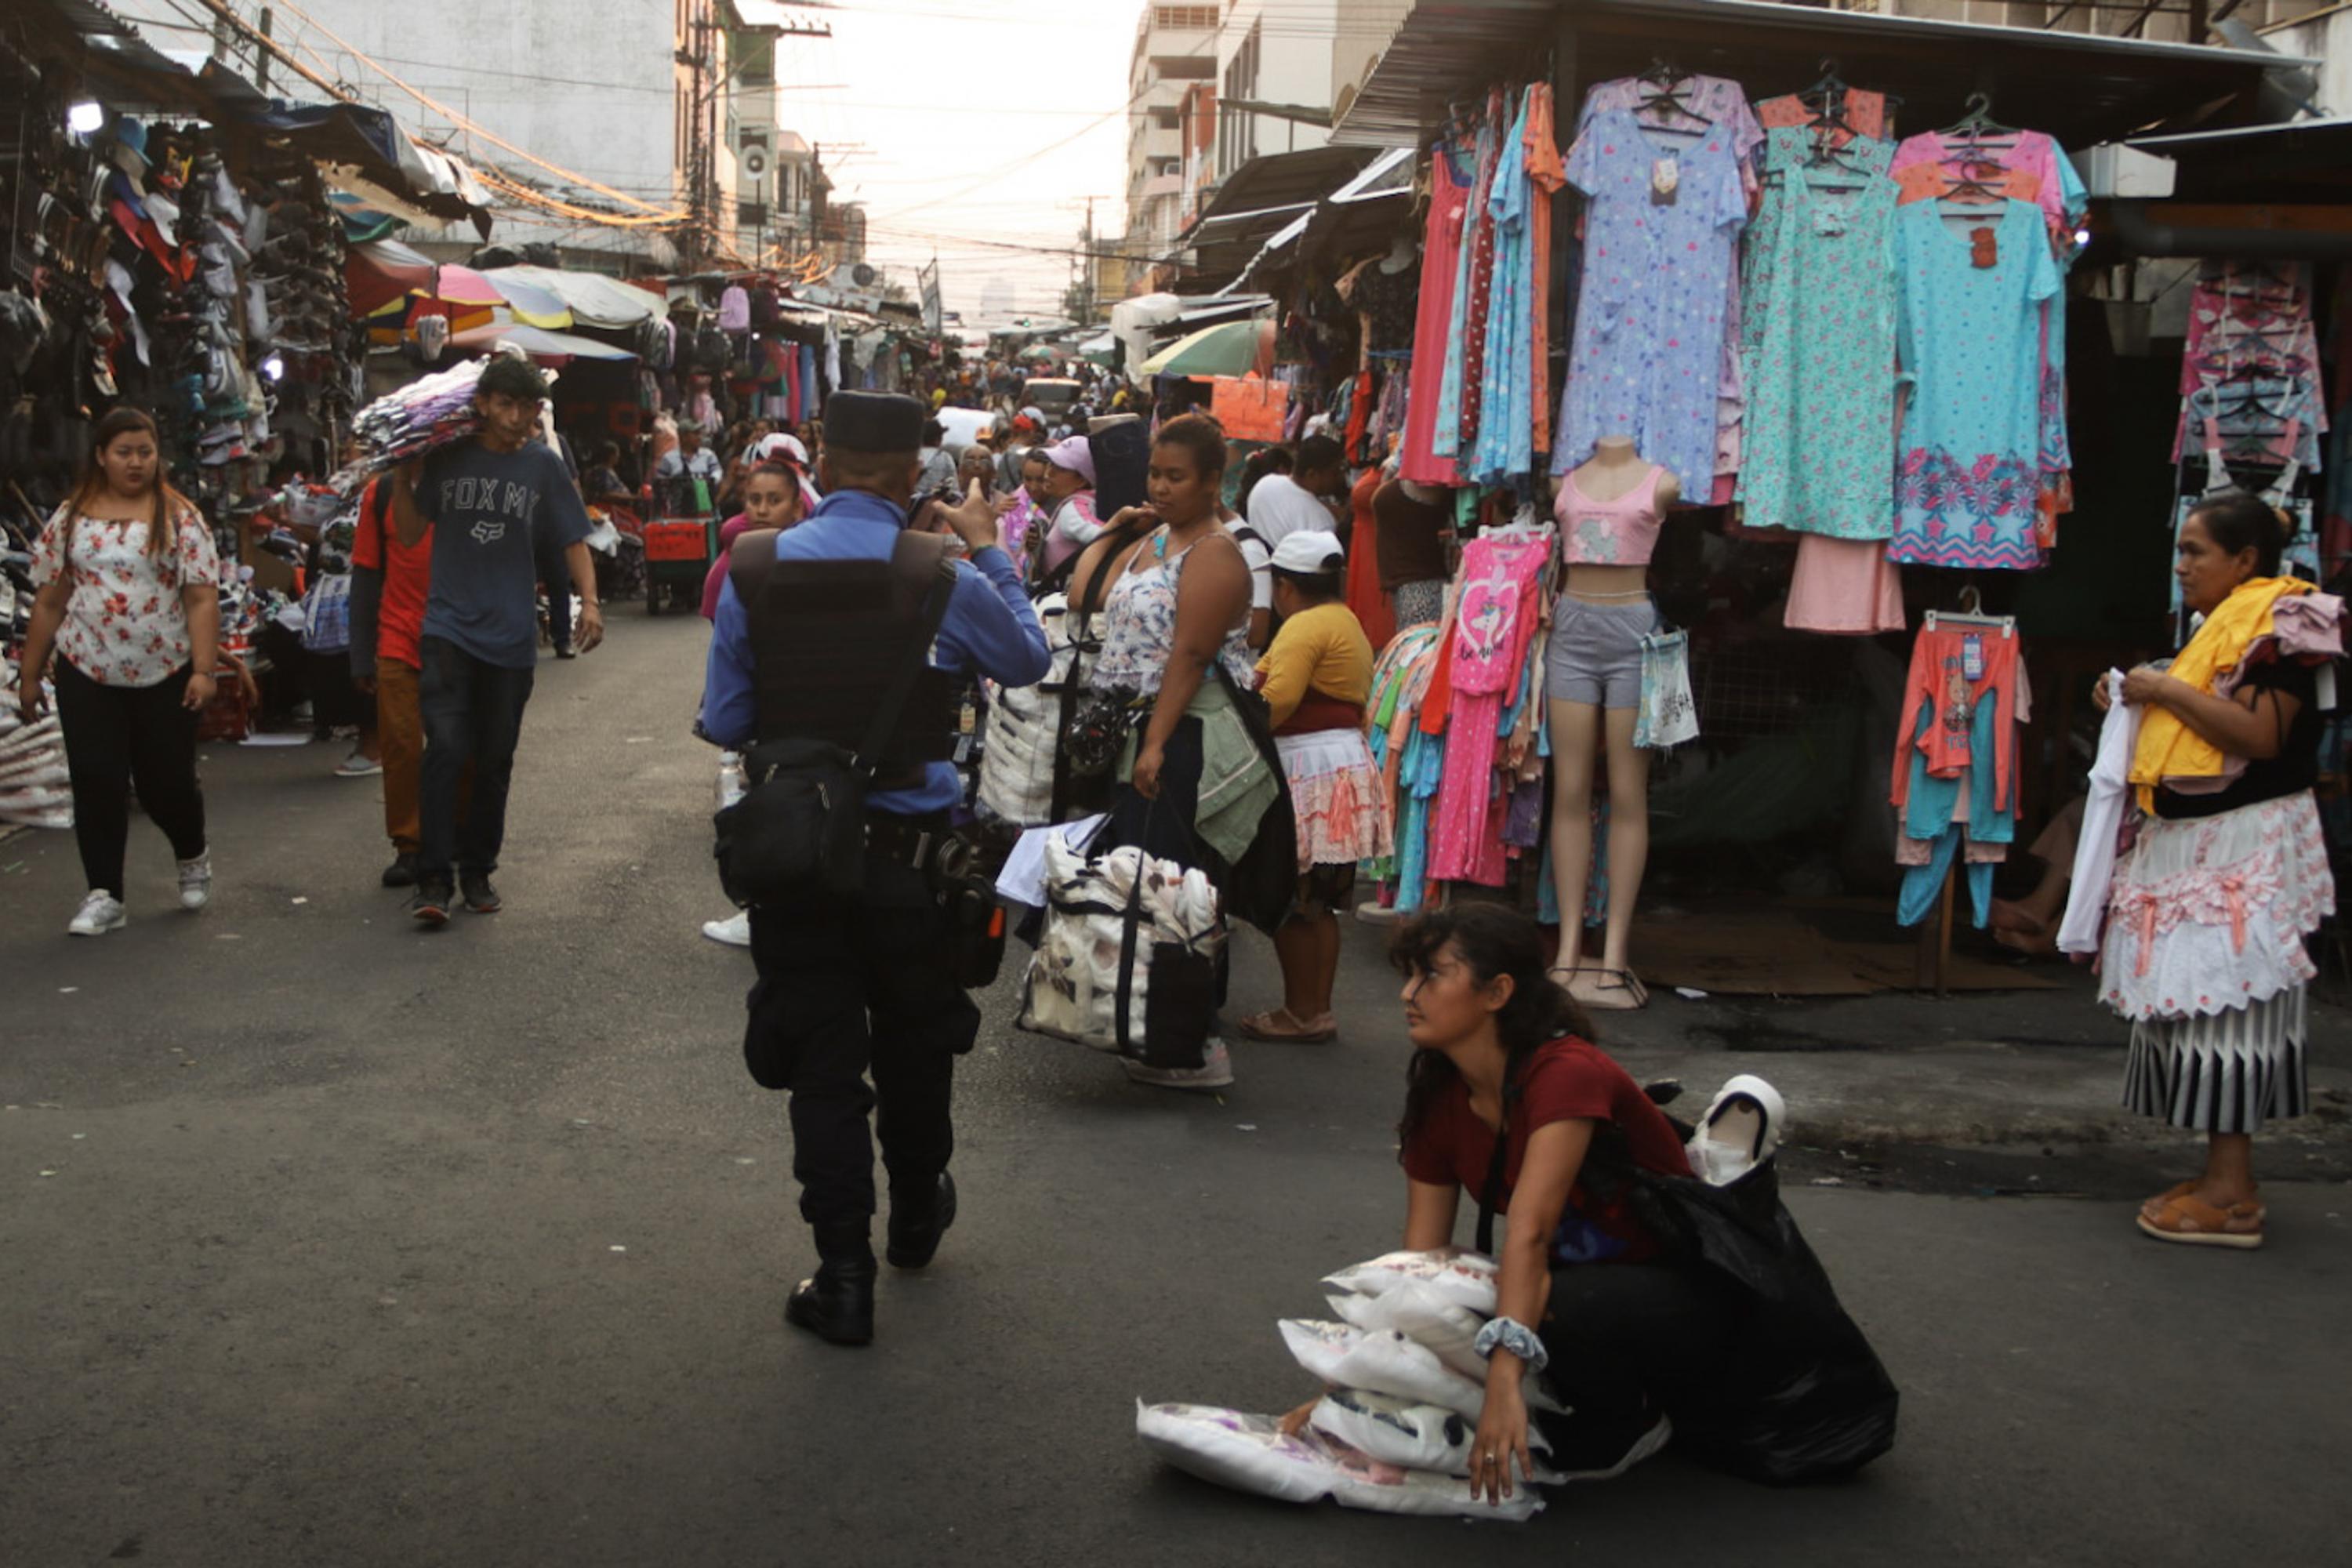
329, 1241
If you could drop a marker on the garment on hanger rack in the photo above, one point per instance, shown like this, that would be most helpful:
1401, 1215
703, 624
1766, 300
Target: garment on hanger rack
1452, 175
1955, 775
1969, 470
1504, 444
1819, 435
1550, 172
1496, 615
1660, 232
1465, 342
1843, 585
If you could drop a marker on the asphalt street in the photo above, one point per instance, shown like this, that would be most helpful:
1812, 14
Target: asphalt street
333, 1242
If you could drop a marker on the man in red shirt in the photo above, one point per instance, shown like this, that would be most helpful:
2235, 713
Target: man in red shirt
389, 581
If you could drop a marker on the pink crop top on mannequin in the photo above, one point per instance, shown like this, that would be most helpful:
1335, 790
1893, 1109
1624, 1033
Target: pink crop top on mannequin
1620, 533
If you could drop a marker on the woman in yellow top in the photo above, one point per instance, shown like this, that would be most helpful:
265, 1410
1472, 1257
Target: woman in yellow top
2209, 909
1316, 678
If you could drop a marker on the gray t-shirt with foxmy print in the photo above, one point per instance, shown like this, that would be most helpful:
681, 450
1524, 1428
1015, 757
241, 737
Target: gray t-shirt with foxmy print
500, 520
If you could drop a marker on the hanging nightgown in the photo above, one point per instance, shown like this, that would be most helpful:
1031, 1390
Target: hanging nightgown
1504, 444
1648, 356
1969, 469
1449, 205
1819, 431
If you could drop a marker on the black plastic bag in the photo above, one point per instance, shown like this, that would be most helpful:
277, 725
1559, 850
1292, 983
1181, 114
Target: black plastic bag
1804, 1397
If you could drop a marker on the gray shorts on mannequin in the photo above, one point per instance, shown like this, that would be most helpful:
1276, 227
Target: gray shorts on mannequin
1595, 653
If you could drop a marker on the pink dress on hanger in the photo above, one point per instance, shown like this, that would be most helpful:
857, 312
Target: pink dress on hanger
1493, 627
1449, 205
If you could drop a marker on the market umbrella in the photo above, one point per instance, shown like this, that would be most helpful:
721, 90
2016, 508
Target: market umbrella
463, 286
594, 300
1103, 349
384, 272
544, 347
1229, 347
532, 305
1042, 354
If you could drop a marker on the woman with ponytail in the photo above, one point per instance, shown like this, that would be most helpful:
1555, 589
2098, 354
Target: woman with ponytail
129, 600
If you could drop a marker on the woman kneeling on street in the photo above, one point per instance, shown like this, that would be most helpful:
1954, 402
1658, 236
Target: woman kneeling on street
1508, 1099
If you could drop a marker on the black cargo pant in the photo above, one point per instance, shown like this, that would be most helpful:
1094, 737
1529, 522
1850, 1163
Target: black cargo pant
846, 988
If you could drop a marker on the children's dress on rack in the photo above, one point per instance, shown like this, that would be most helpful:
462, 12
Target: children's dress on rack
1495, 623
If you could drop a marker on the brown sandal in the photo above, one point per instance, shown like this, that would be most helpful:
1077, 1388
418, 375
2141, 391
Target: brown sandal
1264, 1026
2185, 1218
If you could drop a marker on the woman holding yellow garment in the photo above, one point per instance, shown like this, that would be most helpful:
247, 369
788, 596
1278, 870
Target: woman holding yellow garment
2226, 873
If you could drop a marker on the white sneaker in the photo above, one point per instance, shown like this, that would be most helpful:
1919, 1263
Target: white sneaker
196, 881
357, 766
1214, 1073
101, 912
735, 931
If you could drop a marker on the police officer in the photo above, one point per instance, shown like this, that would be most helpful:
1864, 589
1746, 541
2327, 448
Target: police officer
846, 987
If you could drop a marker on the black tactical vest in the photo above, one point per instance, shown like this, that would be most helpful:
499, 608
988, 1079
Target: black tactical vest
827, 636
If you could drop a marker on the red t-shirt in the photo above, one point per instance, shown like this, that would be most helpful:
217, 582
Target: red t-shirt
1564, 1080
407, 575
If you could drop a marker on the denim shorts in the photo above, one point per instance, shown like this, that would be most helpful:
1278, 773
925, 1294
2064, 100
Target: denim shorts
1595, 653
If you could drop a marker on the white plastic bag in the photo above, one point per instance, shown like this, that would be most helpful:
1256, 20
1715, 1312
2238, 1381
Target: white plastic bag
1417, 1437
1465, 1279
1251, 1453
1387, 1362
1418, 1311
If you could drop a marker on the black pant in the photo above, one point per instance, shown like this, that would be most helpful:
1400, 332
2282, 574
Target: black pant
473, 713
845, 989
1628, 1341
117, 736
559, 603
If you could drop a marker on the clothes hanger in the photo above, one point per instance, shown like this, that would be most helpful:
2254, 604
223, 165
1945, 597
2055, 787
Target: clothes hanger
1978, 125
1971, 613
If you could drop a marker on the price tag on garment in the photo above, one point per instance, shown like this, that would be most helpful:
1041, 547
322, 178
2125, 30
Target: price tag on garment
1972, 659
1665, 180
1984, 249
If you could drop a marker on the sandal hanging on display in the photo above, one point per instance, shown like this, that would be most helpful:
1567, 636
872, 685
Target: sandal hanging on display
2185, 1218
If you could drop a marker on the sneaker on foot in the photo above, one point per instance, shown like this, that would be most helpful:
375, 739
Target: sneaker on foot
101, 912
196, 881
735, 931
1215, 1072
356, 766
480, 896
431, 904
402, 872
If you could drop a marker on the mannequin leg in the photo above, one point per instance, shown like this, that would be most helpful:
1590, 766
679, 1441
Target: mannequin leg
1628, 848
1575, 740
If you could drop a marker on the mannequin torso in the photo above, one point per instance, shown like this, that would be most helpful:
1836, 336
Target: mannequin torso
1614, 471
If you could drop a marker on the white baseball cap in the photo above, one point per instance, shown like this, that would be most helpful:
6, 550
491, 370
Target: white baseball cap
1309, 551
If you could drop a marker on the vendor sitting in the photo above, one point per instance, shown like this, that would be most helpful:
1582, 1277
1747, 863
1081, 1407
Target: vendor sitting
1505, 1098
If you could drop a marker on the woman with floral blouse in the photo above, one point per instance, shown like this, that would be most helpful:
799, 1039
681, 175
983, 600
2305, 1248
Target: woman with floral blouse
129, 600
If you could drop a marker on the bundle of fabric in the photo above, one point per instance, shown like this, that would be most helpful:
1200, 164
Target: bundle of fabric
421, 417
34, 791
1126, 961
1393, 1432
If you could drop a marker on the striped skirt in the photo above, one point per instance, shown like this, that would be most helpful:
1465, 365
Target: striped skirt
2222, 1072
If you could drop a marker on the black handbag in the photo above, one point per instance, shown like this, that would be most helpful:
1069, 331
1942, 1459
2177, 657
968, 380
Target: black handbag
800, 830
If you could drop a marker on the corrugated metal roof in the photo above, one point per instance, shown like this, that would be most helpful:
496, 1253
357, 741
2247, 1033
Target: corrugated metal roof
2079, 86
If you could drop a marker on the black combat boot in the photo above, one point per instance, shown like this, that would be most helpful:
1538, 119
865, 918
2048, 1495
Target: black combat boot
836, 1303
916, 1226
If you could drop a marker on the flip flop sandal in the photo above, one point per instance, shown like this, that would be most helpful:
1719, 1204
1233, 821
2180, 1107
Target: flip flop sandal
1262, 1026
2184, 1219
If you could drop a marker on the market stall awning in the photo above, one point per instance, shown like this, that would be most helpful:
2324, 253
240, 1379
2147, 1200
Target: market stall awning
2079, 86
543, 346
382, 273
2301, 160
594, 300
1229, 347
532, 305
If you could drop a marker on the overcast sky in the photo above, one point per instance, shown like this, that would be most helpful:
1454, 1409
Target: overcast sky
980, 121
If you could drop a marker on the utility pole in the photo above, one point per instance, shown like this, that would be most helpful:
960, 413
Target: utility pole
708, 90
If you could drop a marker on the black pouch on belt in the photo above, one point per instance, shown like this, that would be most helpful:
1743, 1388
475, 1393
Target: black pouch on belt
966, 889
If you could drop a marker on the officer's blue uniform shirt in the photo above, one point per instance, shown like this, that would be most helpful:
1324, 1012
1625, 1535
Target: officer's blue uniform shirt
988, 627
